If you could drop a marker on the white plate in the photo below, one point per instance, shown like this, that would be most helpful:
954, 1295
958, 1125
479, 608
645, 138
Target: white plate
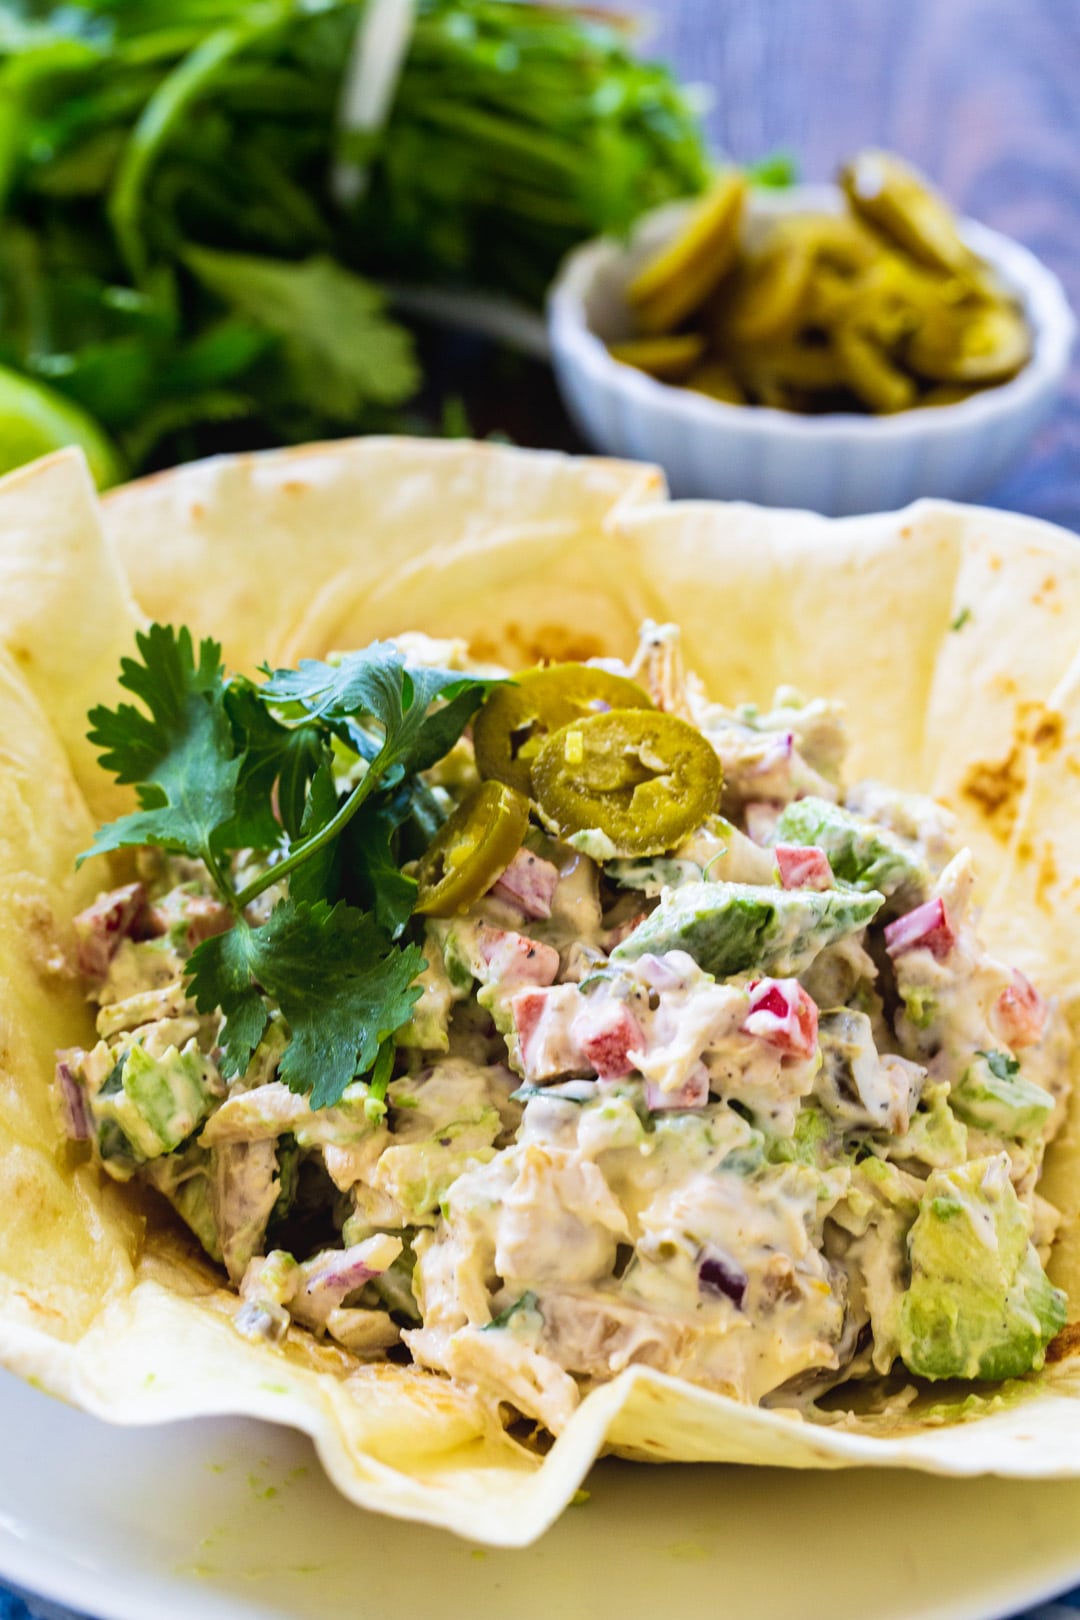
233, 1520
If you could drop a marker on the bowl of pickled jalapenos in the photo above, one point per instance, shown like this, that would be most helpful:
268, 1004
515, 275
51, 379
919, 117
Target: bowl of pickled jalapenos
845, 348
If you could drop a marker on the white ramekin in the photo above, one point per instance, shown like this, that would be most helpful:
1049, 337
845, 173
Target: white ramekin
834, 464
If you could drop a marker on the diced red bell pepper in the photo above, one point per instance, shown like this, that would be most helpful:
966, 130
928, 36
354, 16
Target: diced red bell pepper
1021, 1013
607, 1033
528, 882
783, 1014
544, 1022
203, 916
693, 1093
515, 958
624, 929
803, 866
101, 927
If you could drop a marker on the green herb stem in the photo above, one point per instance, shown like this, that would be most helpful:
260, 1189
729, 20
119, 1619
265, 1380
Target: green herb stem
306, 847
157, 119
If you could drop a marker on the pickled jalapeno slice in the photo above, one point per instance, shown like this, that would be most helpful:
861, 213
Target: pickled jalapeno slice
471, 849
872, 309
682, 275
517, 718
896, 200
642, 779
978, 345
669, 358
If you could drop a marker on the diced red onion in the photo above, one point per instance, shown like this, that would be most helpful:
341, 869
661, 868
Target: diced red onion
803, 867
658, 973
761, 816
72, 1097
780, 748
326, 1281
929, 927
722, 1278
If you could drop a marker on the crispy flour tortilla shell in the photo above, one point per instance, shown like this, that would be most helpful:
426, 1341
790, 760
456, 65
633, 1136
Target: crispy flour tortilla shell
337, 536
102, 1300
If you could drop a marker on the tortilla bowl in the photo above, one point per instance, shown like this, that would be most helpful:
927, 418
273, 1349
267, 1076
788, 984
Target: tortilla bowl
104, 1302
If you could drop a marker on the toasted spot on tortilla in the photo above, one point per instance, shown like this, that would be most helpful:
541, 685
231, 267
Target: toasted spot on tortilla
995, 789
38, 1307
554, 643
1046, 590
43, 945
1047, 878
1045, 728
1066, 1344
198, 511
294, 486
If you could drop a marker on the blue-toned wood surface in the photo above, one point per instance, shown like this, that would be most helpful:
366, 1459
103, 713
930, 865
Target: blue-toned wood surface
982, 94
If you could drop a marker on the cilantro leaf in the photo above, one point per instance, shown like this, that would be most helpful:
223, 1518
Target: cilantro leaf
180, 754
319, 876
219, 974
376, 683
373, 865
275, 756
341, 986
339, 349
1001, 1065
134, 744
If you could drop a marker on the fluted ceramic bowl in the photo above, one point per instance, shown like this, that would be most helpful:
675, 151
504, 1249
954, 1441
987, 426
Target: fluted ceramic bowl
837, 463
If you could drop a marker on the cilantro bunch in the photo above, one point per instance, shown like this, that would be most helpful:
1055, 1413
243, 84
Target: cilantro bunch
177, 275
222, 764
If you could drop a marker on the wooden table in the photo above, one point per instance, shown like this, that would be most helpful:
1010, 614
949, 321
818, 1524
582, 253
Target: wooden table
984, 95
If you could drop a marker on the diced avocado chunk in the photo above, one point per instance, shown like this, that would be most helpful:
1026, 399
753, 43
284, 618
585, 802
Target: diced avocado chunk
860, 852
994, 1096
652, 875
810, 1142
157, 1102
738, 927
288, 1160
455, 942
417, 1175
920, 1004
980, 1304
184, 1179
935, 1136
429, 1026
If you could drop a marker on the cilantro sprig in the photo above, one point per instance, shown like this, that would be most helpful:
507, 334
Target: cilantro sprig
342, 988
221, 763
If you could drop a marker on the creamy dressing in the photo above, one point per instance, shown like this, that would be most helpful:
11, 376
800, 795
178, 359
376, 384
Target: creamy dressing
657, 1112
